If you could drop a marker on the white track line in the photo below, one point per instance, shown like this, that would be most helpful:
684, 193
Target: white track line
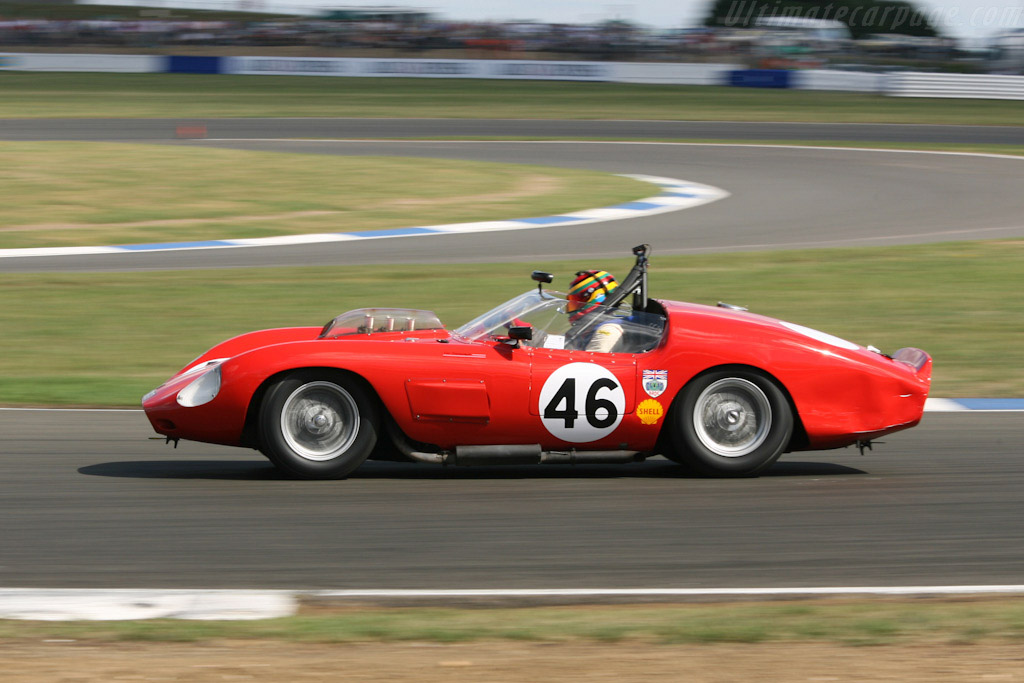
57, 604
667, 143
60, 604
668, 592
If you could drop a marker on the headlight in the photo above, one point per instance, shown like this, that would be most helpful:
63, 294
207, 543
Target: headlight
202, 389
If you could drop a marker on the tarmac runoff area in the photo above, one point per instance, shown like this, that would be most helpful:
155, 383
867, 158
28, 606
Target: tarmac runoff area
74, 604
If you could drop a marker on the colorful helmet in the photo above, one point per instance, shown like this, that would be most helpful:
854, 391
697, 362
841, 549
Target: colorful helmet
587, 291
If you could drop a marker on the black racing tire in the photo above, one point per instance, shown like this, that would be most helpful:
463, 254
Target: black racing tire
733, 422
318, 424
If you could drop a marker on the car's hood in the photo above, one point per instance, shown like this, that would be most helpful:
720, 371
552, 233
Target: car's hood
284, 335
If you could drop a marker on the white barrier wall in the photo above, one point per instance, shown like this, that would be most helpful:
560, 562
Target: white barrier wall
547, 71
852, 81
673, 74
621, 72
30, 61
902, 84
973, 86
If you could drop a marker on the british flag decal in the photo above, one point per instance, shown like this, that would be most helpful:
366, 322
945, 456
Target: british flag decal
655, 382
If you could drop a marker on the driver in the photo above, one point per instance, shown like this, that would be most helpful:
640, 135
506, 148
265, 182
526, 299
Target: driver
587, 292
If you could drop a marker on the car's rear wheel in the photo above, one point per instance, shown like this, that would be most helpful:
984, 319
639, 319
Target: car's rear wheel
732, 422
317, 424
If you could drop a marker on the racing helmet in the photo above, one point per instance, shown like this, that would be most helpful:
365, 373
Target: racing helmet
588, 291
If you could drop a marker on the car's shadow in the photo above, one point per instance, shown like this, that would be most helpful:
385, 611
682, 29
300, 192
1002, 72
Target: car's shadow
261, 470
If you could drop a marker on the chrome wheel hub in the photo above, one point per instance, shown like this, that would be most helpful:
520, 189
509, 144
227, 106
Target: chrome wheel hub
732, 417
320, 421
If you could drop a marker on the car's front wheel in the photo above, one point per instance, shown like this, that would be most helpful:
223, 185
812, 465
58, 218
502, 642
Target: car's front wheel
317, 424
732, 422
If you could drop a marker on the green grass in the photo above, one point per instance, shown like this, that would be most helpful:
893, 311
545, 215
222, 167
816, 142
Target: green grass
80, 193
855, 623
107, 338
32, 95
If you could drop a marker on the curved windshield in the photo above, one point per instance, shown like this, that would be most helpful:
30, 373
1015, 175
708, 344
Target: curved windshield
372, 320
545, 313
534, 308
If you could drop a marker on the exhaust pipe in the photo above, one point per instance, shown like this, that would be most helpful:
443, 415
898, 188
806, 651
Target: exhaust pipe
515, 454
591, 457
509, 454
404, 447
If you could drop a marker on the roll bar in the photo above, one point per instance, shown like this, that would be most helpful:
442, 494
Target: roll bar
635, 283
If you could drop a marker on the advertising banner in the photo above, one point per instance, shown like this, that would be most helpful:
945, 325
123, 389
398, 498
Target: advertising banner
500, 69
759, 78
377, 68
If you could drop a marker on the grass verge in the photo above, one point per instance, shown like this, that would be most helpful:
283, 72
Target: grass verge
842, 622
107, 338
80, 193
48, 95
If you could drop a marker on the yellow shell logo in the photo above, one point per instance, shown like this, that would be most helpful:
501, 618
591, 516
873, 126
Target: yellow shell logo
650, 411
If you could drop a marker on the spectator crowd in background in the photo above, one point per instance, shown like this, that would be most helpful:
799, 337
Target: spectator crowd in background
766, 47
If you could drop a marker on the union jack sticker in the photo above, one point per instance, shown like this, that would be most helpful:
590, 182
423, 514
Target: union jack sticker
655, 382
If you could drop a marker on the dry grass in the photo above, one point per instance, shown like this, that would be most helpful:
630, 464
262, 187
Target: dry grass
77, 193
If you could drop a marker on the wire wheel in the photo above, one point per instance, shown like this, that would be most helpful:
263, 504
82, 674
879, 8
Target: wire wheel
732, 417
730, 422
320, 421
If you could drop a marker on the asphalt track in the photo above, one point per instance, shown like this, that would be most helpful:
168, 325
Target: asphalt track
89, 502
156, 129
782, 198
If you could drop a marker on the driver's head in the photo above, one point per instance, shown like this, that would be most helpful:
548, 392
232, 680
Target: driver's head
588, 291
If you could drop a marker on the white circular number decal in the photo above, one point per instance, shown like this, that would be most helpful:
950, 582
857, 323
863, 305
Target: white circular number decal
581, 402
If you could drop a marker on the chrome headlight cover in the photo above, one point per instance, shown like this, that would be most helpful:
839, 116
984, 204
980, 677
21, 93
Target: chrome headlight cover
204, 388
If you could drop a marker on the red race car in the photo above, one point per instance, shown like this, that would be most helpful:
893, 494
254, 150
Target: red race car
720, 390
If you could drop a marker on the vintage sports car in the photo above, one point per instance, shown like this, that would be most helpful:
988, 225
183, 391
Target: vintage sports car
720, 390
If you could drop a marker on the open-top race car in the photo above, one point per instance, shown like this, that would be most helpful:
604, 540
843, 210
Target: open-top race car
720, 390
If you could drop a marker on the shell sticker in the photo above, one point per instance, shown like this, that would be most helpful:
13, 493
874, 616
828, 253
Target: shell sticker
650, 411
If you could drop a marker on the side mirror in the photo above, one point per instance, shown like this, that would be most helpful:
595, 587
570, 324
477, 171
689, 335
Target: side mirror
520, 333
541, 276
731, 307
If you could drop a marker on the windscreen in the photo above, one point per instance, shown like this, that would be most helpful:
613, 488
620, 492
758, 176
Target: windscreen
377, 320
545, 313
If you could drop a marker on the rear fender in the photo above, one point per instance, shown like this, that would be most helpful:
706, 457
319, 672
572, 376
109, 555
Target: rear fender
917, 359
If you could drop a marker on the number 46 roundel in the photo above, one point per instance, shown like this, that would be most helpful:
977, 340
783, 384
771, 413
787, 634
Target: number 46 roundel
581, 402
